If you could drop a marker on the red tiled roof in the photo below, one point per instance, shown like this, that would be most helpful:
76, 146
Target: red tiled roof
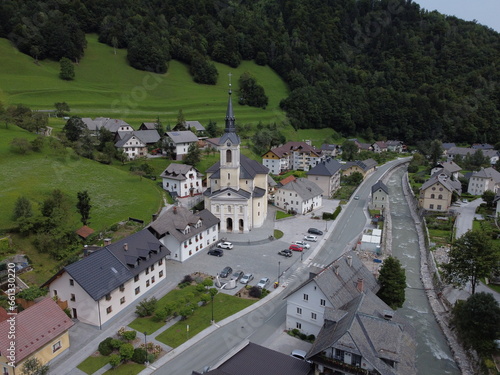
85, 231
3, 314
35, 327
287, 180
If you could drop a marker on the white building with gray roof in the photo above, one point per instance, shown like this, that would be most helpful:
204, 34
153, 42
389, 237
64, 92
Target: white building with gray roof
182, 180
181, 140
483, 180
185, 233
101, 285
299, 195
326, 174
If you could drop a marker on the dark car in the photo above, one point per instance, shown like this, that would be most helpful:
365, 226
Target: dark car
216, 252
225, 272
285, 253
314, 231
237, 276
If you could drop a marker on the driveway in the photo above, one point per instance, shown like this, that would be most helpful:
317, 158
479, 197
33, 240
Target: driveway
466, 213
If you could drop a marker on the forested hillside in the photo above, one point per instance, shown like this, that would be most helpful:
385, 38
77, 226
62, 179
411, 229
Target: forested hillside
378, 68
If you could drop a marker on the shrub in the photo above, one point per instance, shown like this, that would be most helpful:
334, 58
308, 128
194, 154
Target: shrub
129, 335
146, 307
115, 360
105, 347
311, 338
160, 315
255, 292
139, 355
116, 344
200, 288
187, 280
295, 332
127, 351
208, 282
337, 212
302, 336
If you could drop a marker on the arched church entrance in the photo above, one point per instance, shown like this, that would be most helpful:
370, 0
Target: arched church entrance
229, 224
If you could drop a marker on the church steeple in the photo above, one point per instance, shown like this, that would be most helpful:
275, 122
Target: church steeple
230, 130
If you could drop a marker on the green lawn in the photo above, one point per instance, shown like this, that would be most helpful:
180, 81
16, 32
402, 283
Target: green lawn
126, 369
224, 306
92, 364
440, 237
105, 85
282, 215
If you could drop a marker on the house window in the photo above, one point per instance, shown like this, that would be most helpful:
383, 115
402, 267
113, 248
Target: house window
339, 354
153, 280
55, 292
122, 300
56, 346
306, 297
147, 283
432, 196
160, 262
122, 288
160, 274
439, 207
136, 278
108, 297
440, 196
313, 316
299, 310
152, 267
109, 310
137, 290
431, 206
298, 325
322, 302
71, 282
147, 270
73, 298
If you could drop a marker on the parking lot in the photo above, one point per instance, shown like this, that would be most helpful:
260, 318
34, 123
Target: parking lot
256, 253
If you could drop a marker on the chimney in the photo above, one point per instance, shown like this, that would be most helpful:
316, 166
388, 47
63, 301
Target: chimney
359, 285
336, 269
388, 314
107, 241
125, 246
349, 260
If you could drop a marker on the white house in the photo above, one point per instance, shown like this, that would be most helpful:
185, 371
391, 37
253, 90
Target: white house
132, 146
333, 287
102, 284
182, 180
379, 146
111, 124
492, 155
300, 195
380, 195
485, 179
292, 155
185, 233
450, 168
237, 186
181, 140
326, 174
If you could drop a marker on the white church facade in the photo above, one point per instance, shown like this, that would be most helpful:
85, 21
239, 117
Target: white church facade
236, 185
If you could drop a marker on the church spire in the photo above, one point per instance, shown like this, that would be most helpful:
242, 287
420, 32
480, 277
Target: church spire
230, 127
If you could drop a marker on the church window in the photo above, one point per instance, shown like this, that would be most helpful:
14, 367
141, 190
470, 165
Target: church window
432, 196
228, 156
241, 209
228, 208
229, 176
217, 208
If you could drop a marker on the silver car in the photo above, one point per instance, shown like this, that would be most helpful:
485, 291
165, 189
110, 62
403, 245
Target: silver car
246, 278
263, 282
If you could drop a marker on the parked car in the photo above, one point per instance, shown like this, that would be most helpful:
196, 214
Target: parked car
285, 253
263, 282
216, 252
304, 244
311, 238
225, 272
237, 275
314, 231
246, 278
300, 354
356, 197
295, 247
225, 245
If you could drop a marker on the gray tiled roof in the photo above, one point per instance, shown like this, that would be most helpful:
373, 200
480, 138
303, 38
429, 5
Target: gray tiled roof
106, 269
360, 327
196, 125
148, 136
126, 138
176, 219
254, 359
488, 173
325, 168
446, 182
305, 188
471, 151
178, 171
148, 125
184, 136
243, 193
365, 165
380, 185
292, 146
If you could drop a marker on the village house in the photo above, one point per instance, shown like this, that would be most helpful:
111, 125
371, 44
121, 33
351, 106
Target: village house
483, 180
110, 124
185, 233
364, 167
41, 332
379, 146
292, 155
331, 150
436, 194
326, 174
380, 195
492, 155
182, 180
181, 140
101, 285
395, 146
132, 146
237, 187
450, 168
299, 195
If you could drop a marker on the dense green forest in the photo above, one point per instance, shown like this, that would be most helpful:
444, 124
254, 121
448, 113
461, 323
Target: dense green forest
383, 69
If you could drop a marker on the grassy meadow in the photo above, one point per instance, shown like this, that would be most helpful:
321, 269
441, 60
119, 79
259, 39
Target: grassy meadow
105, 85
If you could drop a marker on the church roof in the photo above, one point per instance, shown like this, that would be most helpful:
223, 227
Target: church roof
248, 168
230, 130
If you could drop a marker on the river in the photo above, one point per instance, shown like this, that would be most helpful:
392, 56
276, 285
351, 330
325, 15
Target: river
433, 354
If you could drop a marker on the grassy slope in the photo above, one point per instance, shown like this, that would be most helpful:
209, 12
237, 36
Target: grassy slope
106, 86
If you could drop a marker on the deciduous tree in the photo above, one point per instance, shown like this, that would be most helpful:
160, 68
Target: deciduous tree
22, 208
392, 281
67, 71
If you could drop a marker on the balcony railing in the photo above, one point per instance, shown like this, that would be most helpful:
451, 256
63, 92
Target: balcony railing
340, 365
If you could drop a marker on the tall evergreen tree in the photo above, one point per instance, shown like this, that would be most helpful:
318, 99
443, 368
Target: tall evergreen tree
83, 206
392, 281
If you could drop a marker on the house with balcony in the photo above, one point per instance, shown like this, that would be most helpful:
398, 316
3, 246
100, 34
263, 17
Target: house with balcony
292, 155
182, 180
332, 287
101, 285
185, 233
299, 195
132, 146
326, 174
40, 331
483, 180
364, 336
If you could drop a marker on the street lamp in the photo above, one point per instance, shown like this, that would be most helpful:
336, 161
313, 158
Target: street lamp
211, 295
146, 348
279, 273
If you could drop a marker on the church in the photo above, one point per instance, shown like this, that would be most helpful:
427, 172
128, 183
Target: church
236, 185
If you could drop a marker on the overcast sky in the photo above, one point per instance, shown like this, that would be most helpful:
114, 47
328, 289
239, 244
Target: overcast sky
485, 12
